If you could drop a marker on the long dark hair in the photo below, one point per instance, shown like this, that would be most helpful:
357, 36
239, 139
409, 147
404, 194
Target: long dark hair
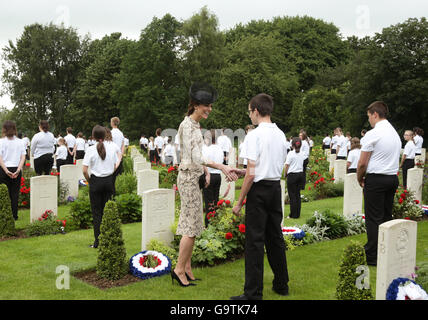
99, 134
9, 129
296, 143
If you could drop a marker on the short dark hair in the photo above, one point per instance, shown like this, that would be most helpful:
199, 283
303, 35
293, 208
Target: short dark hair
44, 124
69, 130
263, 103
380, 108
9, 128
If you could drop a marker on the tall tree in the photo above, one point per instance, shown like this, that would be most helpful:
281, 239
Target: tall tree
41, 72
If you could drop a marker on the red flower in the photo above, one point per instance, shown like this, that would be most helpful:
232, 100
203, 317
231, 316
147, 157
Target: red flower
417, 201
322, 179
229, 235
407, 218
309, 188
400, 201
220, 202
24, 203
27, 164
170, 169
405, 191
403, 195
227, 202
241, 228
332, 179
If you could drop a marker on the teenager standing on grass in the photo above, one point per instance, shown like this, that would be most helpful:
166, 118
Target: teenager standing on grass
266, 152
79, 147
61, 154
409, 154
103, 160
377, 174
192, 166
71, 142
42, 148
12, 159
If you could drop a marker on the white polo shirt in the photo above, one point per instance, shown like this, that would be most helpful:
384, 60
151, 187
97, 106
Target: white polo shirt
326, 141
418, 143
26, 141
266, 146
117, 137
304, 149
342, 144
80, 144
353, 158
151, 146
71, 141
224, 143
169, 150
334, 141
159, 142
295, 162
42, 143
11, 151
61, 153
99, 167
384, 143
410, 150
215, 154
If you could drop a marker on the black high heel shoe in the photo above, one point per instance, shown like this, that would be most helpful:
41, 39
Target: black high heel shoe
190, 279
174, 276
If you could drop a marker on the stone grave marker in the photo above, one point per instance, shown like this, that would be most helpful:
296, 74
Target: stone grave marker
79, 165
396, 255
31, 162
146, 180
158, 216
70, 177
415, 177
232, 158
142, 165
223, 187
43, 196
352, 195
331, 158
339, 170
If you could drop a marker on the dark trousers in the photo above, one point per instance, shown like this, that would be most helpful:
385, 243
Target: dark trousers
43, 164
211, 194
100, 191
352, 170
294, 184
118, 171
59, 163
333, 151
157, 155
13, 186
340, 158
225, 156
80, 154
263, 216
152, 155
305, 165
379, 191
70, 157
408, 164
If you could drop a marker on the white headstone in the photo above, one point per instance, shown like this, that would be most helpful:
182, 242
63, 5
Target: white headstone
421, 159
79, 165
327, 152
158, 216
138, 158
70, 177
352, 195
396, 255
31, 162
415, 177
232, 158
147, 180
331, 158
141, 165
43, 196
339, 170
223, 188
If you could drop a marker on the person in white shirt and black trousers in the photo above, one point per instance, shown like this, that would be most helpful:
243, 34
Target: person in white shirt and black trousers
103, 160
295, 177
71, 142
42, 148
266, 152
12, 159
79, 147
61, 154
305, 149
418, 140
341, 146
377, 174
353, 156
409, 154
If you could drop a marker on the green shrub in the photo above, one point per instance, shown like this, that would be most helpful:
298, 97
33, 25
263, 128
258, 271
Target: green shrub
337, 226
80, 213
127, 164
126, 183
45, 225
111, 262
129, 207
422, 275
347, 289
405, 206
7, 223
171, 253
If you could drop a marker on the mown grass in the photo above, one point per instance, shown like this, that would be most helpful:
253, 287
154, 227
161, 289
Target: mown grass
28, 267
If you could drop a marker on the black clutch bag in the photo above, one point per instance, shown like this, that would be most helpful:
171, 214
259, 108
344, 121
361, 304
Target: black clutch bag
202, 181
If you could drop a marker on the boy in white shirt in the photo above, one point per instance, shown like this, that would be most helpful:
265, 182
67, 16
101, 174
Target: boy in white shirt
266, 152
70, 142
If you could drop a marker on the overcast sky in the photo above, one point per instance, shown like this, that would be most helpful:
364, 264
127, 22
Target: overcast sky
98, 18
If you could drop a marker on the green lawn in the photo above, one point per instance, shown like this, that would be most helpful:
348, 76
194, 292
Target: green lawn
28, 267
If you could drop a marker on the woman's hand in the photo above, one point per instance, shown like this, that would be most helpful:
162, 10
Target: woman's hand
229, 173
207, 179
237, 209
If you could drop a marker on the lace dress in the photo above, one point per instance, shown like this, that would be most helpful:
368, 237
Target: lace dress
191, 220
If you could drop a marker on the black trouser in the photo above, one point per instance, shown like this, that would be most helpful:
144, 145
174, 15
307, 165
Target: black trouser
152, 155
294, 184
379, 191
43, 164
157, 155
225, 156
211, 194
340, 158
263, 216
70, 157
80, 154
100, 191
408, 164
305, 165
333, 151
324, 146
59, 163
13, 186
352, 170
143, 148
118, 171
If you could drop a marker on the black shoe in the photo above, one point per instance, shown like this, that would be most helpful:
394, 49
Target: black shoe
282, 292
174, 276
241, 297
93, 246
190, 279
